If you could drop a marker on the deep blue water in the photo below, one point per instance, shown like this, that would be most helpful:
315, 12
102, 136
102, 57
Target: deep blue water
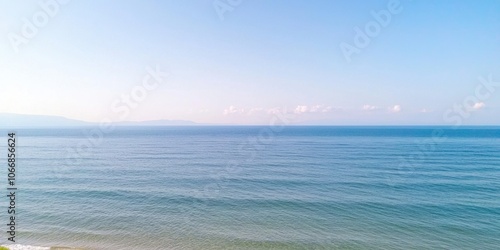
259, 188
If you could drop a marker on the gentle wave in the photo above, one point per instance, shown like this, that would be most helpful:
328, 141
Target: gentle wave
307, 188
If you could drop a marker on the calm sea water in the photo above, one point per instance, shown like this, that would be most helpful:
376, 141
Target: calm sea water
255, 188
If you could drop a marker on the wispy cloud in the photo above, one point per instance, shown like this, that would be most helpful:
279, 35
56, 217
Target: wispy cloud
274, 111
255, 111
395, 108
233, 110
478, 105
370, 107
302, 109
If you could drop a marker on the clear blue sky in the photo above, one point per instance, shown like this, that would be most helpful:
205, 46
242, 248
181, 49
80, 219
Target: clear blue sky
263, 57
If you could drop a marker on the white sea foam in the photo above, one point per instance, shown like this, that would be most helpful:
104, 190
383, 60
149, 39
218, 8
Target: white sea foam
26, 247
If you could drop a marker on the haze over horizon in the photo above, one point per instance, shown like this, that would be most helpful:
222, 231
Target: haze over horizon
381, 62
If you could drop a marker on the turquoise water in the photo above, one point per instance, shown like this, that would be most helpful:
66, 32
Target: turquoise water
259, 188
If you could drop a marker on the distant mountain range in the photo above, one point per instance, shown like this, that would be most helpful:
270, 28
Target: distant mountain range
8, 120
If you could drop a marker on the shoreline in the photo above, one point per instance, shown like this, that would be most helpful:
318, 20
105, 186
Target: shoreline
31, 247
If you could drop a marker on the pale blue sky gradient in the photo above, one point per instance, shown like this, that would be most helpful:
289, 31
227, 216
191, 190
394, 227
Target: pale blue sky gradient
263, 57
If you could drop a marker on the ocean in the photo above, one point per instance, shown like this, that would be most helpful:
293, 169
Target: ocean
255, 187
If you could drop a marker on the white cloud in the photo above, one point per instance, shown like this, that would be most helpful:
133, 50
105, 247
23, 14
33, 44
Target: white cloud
255, 110
320, 109
301, 109
395, 108
478, 105
233, 110
274, 111
370, 107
